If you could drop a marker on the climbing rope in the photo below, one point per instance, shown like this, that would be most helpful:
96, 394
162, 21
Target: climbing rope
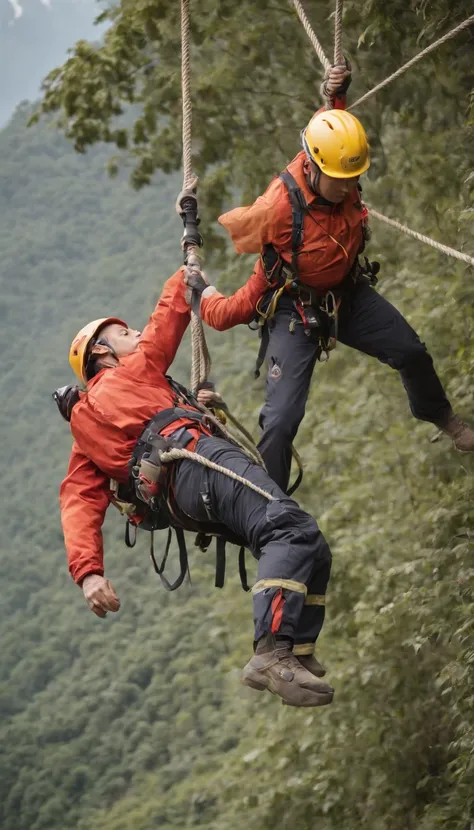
338, 53
311, 34
186, 95
445, 249
339, 59
200, 358
464, 25
177, 454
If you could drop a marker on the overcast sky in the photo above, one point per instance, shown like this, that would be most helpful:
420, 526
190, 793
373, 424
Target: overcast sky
34, 38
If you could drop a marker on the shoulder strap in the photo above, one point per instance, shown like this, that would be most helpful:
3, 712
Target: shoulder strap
298, 209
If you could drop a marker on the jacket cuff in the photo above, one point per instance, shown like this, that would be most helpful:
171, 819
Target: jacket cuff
80, 576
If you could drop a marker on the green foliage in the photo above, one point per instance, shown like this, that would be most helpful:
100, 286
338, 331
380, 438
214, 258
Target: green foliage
139, 721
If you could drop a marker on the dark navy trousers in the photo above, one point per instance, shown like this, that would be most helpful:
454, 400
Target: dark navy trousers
294, 560
368, 323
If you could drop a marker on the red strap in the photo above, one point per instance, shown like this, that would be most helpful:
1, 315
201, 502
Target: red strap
278, 602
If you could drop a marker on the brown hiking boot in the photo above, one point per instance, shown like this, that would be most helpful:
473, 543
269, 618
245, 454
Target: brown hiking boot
275, 667
461, 434
309, 662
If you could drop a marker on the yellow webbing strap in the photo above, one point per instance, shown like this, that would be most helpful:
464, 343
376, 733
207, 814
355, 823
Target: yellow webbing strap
124, 507
304, 650
268, 314
289, 584
315, 599
220, 415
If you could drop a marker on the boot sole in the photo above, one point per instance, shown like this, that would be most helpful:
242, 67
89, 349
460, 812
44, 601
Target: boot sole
322, 700
259, 686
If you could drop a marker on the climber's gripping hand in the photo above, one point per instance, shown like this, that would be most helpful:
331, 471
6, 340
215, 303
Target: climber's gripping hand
195, 279
100, 595
337, 80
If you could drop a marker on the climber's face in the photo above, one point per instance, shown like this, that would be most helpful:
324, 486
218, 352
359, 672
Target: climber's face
330, 188
122, 340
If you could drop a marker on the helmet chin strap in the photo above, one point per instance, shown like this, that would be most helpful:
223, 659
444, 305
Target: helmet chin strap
313, 181
103, 350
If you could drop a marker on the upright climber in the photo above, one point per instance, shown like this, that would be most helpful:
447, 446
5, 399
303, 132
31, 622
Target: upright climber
309, 287
129, 404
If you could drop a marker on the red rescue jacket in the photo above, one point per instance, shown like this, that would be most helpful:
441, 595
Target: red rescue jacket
107, 421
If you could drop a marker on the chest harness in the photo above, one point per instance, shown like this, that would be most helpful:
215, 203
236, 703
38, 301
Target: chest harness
147, 499
316, 312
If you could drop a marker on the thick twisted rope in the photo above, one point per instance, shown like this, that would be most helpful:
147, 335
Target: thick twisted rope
200, 358
186, 94
177, 454
445, 249
311, 34
464, 25
338, 53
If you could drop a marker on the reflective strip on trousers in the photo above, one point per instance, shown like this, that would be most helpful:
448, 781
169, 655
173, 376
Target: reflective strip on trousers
315, 599
304, 649
288, 584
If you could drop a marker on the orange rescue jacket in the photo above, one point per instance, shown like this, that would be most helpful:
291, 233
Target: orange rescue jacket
332, 235
331, 241
332, 238
107, 421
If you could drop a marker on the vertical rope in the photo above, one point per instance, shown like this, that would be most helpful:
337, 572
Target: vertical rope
338, 53
186, 94
200, 358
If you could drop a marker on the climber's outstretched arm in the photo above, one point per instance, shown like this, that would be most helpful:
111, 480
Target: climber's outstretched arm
163, 333
223, 313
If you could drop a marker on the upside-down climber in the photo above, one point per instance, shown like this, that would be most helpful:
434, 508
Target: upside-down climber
309, 288
128, 408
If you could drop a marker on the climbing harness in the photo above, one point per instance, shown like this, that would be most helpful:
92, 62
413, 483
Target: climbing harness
316, 311
147, 500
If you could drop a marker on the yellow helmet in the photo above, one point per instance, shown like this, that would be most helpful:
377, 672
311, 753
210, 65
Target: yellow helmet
78, 350
336, 141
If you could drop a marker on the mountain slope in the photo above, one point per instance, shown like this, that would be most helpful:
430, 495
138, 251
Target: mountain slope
139, 721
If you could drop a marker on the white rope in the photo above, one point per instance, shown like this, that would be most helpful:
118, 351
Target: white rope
311, 34
186, 94
338, 53
445, 249
466, 23
200, 358
177, 454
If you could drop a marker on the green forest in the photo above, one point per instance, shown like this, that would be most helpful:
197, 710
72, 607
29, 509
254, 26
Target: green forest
139, 721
